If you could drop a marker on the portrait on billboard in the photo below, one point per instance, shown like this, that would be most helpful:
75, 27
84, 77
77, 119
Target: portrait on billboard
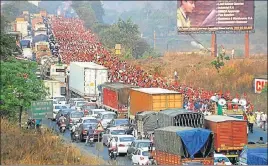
198, 15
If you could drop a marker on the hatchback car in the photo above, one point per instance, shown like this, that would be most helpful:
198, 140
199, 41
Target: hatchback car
140, 157
111, 132
123, 142
144, 144
106, 117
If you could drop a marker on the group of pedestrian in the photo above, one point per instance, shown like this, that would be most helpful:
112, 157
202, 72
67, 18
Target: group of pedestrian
259, 118
79, 44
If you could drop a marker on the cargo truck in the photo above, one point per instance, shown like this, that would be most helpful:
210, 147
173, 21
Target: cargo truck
41, 49
114, 97
148, 121
181, 145
230, 134
153, 99
55, 88
254, 154
85, 77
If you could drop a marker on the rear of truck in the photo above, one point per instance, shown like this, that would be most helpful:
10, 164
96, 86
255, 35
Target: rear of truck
180, 145
230, 134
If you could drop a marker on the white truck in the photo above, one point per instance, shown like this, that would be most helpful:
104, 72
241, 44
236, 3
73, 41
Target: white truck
55, 88
85, 77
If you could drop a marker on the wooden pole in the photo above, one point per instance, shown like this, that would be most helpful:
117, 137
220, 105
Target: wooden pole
247, 45
213, 44
154, 39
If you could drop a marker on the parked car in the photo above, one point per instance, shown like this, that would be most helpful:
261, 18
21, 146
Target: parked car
123, 141
106, 117
140, 157
220, 157
56, 108
111, 132
74, 117
87, 107
136, 144
83, 130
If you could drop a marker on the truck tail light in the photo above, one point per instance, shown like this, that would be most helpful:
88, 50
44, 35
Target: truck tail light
141, 158
121, 145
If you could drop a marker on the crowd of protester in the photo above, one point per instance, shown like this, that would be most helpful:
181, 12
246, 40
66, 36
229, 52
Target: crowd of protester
76, 43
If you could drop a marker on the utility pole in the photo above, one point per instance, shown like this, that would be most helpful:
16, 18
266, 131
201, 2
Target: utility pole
247, 45
154, 39
213, 44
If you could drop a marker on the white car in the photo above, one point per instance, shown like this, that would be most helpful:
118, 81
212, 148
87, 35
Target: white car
56, 108
140, 157
219, 157
78, 105
106, 117
88, 120
123, 142
111, 132
60, 99
94, 112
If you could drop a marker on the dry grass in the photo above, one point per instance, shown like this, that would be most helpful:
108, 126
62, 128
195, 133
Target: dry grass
25, 147
195, 70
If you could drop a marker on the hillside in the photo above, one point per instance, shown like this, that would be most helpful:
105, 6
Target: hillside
195, 70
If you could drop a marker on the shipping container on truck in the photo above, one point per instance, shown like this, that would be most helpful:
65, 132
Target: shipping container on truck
181, 145
153, 99
230, 134
115, 97
85, 77
55, 88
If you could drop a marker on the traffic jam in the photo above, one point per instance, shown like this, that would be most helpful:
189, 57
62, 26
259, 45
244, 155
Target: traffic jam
99, 99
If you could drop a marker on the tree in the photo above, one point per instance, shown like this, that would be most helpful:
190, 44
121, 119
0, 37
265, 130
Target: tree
7, 45
11, 10
19, 86
139, 48
219, 62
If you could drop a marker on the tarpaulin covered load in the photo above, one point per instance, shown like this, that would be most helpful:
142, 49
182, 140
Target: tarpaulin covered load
146, 121
257, 156
39, 38
121, 89
185, 141
180, 117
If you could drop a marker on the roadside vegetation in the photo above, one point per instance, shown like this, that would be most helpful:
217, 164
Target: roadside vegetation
19, 146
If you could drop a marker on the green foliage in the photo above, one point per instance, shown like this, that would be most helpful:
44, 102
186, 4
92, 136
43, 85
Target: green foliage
139, 48
19, 85
265, 89
150, 53
219, 61
7, 45
14, 9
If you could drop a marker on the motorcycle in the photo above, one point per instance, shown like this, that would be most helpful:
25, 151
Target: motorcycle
90, 141
76, 136
113, 154
62, 127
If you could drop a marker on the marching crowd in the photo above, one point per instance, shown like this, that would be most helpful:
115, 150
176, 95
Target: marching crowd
79, 44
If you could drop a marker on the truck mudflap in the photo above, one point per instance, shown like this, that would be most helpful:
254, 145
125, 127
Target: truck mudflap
164, 158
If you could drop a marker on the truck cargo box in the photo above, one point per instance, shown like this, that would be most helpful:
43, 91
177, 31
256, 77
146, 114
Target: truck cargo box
146, 122
175, 145
85, 78
180, 117
255, 154
154, 99
230, 133
55, 88
115, 96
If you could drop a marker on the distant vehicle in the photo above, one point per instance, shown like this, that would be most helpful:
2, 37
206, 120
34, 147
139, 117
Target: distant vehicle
78, 105
106, 117
123, 142
136, 144
111, 132
65, 113
83, 130
56, 108
72, 100
27, 53
124, 123
87, 107
219, 157
140, 157
74, 117
60, 99
88, 120
94, 112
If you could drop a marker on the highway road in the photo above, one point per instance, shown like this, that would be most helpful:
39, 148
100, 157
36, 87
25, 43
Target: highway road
121, 160
124, 160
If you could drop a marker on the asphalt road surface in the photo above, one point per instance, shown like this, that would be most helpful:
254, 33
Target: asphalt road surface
121, 160
124, 160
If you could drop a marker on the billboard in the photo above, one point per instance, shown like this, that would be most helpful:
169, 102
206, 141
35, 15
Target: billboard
214, 16
259, 84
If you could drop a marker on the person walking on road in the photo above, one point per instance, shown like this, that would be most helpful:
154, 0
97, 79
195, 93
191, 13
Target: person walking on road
263, 121
251, 121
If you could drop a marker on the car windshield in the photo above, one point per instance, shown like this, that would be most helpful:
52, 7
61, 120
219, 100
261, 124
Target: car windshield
143, 144
80, 104
120, 122
59, 98
77, 115
118, 132
90, 121
126, 139
93, 125
217, 159
90, 107
145, 153
108, 116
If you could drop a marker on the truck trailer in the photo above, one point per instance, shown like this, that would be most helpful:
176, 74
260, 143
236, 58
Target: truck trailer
85, 77
55, 88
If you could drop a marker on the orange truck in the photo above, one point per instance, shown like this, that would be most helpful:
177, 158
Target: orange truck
153, 99
230, 134
175, 145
